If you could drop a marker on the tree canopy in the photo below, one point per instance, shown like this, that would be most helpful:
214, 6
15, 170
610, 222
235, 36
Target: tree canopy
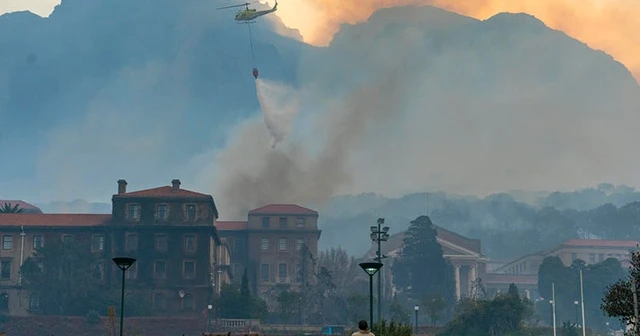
618, 297
421, 268
7, 208
596, 278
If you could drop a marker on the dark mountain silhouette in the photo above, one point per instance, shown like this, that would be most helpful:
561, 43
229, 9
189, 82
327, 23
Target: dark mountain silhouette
137, 89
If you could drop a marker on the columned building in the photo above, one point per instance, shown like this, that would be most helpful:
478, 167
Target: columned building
463, 253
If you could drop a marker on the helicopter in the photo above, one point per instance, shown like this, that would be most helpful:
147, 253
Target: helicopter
248, 14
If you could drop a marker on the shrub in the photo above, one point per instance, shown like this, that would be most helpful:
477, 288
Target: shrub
392, 329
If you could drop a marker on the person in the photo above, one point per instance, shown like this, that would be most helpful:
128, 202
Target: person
364, 329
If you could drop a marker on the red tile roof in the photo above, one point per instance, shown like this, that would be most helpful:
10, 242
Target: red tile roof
492, 278
66, 220
166, 191
28, 208
288, 209
231, 225
601, 243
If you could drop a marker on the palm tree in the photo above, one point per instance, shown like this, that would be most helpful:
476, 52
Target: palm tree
7, 208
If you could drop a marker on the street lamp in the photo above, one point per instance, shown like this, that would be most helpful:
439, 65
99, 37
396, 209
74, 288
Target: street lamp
209, 307
416, 308
575, 305
124, 264
371, 268
379, 235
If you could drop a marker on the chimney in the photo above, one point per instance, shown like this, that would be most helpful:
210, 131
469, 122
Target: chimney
122, 187
175, 184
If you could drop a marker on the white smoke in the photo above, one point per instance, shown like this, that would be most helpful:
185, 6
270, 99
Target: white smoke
280, 104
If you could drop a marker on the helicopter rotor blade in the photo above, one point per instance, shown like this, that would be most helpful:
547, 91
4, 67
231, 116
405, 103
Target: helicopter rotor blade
241, 5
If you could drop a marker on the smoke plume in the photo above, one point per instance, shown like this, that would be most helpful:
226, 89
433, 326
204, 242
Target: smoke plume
611, 26
251, 176
280, 105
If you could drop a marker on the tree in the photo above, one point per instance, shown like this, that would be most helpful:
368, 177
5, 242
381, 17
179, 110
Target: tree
398, 312
234, 304
245, 297
289, 304
343, 269
421, 269
8, 209
618, 297
66, 279
434, 305
504, 315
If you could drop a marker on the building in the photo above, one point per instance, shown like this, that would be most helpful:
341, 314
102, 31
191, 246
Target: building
169, 230
269, 244
22, 234
523, 271
463, 253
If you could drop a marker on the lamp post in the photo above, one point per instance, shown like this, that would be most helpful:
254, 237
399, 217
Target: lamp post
379, 235
123, 264
371, 268
209, 307
416, 308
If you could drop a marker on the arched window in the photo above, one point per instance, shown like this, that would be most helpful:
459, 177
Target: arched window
187, 302
158, 301
4, 301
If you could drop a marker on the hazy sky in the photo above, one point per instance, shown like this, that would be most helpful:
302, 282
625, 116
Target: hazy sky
610, 25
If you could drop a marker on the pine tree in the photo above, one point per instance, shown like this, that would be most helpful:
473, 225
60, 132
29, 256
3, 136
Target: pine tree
421, 268
245, 296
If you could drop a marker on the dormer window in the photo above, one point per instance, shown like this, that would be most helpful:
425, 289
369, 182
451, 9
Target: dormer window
300, 222
161, 212
265, 222
133, 212
283, 222
190, 211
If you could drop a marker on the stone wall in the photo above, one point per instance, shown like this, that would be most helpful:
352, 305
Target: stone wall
78, 326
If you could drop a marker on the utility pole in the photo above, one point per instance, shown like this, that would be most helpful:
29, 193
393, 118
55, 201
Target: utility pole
634, 290
379, 235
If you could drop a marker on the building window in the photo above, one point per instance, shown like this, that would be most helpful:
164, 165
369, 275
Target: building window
264, 272
159, 269
282, 271
265, 244
158, 301
38, 242
299, 244
189, 269
97, 243
600, 257
283, 222
7, 243
592, 258
132, 272
67, 238
574, 256
190, 211
161, 212
98, 271
300, 222
132, 242
4, 301
190, 243
5, 269
162, 242
282, 244
187, 302
265, 222
34, 302
133, 212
